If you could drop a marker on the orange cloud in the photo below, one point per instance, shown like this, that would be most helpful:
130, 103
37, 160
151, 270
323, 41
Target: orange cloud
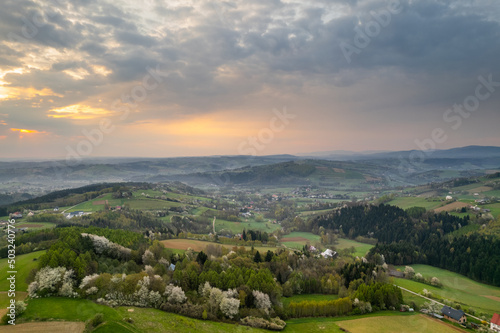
7, 93
3, 137
78, 111
23, 131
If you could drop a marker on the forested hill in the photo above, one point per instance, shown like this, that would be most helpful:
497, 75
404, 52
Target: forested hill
389, 223
414, 236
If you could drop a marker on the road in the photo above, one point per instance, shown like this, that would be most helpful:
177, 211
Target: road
430, 299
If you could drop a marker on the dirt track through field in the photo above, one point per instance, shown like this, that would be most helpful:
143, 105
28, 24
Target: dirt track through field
28, 225
495, 298
46, 327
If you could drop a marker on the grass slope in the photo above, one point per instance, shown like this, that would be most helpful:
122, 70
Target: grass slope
330, 324
360, 248
297, 240
456, 288
308, 297
144, 319
407, 202
416, 323
24, 265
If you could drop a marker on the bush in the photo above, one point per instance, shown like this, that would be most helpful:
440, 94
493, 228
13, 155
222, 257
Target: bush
275, 324
97, 320
94, 322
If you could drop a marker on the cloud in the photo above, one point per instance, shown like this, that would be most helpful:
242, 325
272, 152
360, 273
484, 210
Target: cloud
78, 112
65, 65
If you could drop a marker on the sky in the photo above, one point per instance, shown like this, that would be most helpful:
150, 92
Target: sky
156, 78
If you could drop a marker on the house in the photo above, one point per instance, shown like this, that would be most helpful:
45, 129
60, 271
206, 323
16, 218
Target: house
171, 267
395, 273
16, 215
31, 214
56, 209
449, 197
495, 322
328, 253
74, 214
457, 316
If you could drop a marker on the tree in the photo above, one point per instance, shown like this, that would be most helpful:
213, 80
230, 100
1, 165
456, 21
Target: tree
174, 294
230, 307
435, 282
201, 258
409, 272
269, 256
257, 257
19, 308
261, 300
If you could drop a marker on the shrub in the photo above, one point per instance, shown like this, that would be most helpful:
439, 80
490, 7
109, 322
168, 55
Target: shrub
275, 324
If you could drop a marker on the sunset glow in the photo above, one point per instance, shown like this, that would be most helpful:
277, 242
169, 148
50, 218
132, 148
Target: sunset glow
205, 75
78, 112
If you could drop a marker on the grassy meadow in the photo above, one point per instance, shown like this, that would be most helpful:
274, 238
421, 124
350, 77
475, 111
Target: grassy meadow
24, 264
360, 248
457, 288
297, 240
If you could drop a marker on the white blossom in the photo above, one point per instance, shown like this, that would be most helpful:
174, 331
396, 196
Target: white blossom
174, 294
261, 300
230, 307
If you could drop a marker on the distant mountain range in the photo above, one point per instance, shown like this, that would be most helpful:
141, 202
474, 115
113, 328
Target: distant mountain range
386, 169
461, 152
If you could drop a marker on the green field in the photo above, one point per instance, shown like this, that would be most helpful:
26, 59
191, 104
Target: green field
360, 248
330, 324
36, 225
297, 240
407, 202
24, 264
417, 323
139, 202
150, 204
251, 224
144, 319
495, 208
5, 299
456, 288
308, 297
170, 195
409, 297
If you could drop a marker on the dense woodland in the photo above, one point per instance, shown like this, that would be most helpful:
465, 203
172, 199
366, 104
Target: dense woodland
414, 236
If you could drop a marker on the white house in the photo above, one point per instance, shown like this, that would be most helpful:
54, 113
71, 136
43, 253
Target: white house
495, 322
449, 197
328, 253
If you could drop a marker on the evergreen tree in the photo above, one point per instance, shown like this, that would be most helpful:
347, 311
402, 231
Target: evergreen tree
257, 257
